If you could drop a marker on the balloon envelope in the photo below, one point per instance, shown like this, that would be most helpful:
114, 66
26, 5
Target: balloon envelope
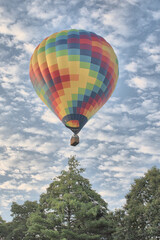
74, 72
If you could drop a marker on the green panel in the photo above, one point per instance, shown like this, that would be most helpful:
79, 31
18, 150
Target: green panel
74, 58
50, 40
93, 73
42, 92
73, 30
42, 49
89, 86
67, 111
81, 91
61, 34
98, 83
85, 65
62, 53
50, 50
69, 103
74, 96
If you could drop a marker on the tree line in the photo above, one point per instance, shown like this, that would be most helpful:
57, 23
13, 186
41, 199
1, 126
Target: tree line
72, 210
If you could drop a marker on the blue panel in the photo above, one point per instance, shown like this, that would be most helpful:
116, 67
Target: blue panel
106, 92
86, 99
79, 103
61, 41
106, 81
87, 92
94, 67
75, 110
93, 94
70, 110
85, 52
103, 87
96, 89
49, 45
85, 58
73, 45
100, 92
103, 71
96, 61
73, 52
73, 34
80, 97
61, 37
100, 77
50, 83
61, 47
74, 103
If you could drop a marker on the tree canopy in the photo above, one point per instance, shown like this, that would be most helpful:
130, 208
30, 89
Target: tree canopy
76, 210
71, 209
140, 218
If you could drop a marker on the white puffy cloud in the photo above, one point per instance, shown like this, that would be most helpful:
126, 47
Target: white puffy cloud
50, 117
141, 83
156, 15
131, 67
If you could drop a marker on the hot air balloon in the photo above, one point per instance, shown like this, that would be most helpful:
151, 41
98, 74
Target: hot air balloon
74, 72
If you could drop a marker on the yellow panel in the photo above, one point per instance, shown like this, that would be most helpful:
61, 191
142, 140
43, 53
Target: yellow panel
42, 44
34, 57
62, 111
74, 67
68, 95
41, 58
62, 62
64, 100
51, 59
91, 80
84, 72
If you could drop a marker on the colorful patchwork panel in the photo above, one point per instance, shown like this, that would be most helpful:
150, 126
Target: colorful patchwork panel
74, 72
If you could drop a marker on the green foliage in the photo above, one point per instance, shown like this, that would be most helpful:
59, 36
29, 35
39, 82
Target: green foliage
74, 210
141, 216
71, 209
3, 228
17, 228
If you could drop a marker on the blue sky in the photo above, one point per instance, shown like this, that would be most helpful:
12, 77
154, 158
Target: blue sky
121, 142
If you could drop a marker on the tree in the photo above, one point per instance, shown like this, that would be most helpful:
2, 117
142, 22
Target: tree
3, 228
17, 228
70, 209
140, 218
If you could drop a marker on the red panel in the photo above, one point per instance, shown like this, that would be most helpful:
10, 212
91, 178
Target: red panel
73, 40
59, 86
85, 41
65, 78
96, 49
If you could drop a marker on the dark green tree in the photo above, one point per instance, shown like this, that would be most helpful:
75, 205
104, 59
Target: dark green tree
70, 209
3, 229
140, 218
17, 228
